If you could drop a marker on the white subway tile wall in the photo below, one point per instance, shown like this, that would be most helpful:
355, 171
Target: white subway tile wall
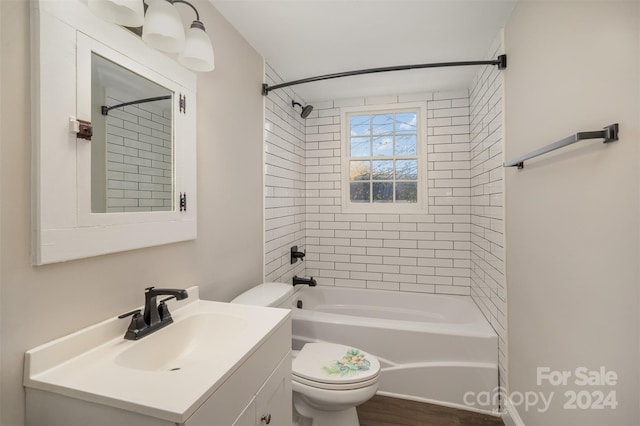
454, 247
488, 283
139, 160
423, 252
284, 182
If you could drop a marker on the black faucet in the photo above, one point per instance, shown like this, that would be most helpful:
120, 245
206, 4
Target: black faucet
155, 316
308, 281
151, 312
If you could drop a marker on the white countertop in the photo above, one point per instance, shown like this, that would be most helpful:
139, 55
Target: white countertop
85, 365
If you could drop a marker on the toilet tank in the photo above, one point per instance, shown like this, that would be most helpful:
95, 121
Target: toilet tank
267, 294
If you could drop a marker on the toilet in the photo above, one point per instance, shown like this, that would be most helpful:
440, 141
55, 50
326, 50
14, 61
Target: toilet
329, 380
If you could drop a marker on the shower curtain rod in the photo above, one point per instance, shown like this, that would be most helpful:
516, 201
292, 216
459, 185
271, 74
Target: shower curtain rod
105, 109
501, 62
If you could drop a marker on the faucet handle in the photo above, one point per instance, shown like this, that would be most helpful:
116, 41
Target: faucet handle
163, 309
137, 323
135, 313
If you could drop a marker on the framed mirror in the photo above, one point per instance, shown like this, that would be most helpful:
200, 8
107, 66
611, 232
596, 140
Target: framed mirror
127, 178
132, 141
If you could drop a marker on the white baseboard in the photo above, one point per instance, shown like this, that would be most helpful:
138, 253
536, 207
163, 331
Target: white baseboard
510, 416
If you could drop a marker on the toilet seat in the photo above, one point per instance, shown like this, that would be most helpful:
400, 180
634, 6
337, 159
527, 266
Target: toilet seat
328, 380
335, 367
328, 386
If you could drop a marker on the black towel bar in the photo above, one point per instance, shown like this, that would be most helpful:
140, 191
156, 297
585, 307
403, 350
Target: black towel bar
609, 134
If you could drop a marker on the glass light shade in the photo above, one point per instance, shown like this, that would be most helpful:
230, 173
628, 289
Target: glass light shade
129, 13
163, 28
197, 54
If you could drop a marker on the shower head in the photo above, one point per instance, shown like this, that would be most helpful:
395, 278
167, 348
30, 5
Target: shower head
305, 110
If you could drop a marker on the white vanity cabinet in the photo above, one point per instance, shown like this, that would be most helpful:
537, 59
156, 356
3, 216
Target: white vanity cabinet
269, 404
272, 403
245, 399
219, 375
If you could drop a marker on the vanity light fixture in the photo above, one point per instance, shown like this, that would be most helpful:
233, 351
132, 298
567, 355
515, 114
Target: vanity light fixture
162, 28
129, 13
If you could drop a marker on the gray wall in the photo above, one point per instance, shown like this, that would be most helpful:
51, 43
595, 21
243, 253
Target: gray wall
38, 304
572, 216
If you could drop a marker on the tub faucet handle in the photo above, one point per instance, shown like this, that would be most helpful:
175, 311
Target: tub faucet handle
295, 254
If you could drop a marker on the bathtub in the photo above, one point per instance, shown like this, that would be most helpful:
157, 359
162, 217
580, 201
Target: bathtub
432, 348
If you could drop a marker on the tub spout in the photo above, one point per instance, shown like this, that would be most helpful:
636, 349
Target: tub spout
308, 281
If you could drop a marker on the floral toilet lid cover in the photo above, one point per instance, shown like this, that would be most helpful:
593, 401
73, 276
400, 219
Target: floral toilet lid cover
332, 363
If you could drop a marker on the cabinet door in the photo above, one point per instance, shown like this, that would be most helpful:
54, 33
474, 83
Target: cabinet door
273, 401
248, 416
66, 225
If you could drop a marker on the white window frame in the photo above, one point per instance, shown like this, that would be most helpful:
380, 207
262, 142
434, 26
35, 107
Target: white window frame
347, 206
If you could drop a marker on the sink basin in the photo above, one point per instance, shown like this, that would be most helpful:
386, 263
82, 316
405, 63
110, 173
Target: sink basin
195, 339
167, 374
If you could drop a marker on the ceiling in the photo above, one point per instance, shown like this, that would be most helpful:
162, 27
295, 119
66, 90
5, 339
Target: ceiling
306, 38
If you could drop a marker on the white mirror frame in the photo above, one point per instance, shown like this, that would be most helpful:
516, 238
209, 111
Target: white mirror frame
63, 35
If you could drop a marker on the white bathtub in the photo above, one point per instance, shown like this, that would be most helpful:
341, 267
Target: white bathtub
432, 348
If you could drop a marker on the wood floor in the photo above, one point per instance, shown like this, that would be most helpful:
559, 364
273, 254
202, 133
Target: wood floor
385, 411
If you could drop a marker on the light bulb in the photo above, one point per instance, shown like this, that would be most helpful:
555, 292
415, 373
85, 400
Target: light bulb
129, 13
197, 54
163, 28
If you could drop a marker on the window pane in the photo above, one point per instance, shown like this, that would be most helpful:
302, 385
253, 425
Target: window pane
382, 192
406, 192
383, 146
382, 170
382, 124
361, 147
406, 122
406, 145
360, 192
383, 157
405, 169
359, 125
360, 170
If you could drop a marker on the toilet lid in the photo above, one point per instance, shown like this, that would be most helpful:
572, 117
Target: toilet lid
334, 364
336, 386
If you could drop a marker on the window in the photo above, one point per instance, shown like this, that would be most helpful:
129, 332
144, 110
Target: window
382, 164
